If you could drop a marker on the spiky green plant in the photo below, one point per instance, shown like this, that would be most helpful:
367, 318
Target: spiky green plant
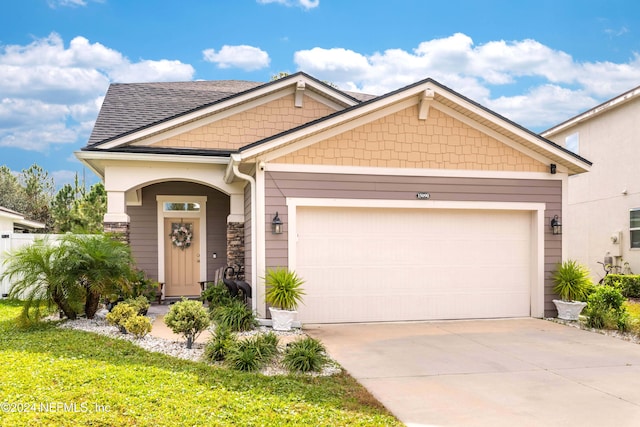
304, 355
235, 315
219, 345
572, 281
284, 288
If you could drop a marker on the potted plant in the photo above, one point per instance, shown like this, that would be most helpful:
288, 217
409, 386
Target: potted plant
284, 292
572, 284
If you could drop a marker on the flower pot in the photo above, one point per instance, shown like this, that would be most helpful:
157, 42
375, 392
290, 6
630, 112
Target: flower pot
569, 310
281, 320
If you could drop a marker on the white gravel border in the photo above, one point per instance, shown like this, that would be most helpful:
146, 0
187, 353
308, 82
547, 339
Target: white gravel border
178, 348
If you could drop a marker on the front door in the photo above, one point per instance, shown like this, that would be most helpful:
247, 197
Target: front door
182, 257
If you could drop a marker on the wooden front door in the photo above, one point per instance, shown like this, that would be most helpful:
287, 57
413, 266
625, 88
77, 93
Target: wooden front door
182, 257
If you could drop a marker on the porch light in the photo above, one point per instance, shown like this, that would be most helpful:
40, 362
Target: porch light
276, 225
556, 226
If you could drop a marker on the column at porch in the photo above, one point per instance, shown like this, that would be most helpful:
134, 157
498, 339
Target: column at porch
235, 230
116, 220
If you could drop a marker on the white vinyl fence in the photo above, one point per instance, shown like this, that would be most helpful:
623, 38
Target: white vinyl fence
10, 241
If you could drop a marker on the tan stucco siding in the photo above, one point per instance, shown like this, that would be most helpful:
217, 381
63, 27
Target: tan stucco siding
249, 126
402, 140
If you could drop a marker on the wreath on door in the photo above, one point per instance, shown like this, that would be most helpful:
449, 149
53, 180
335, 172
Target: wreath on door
181, 236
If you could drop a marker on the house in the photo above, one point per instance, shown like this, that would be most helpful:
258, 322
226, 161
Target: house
417, 204
14, 222
14, 233
603, 206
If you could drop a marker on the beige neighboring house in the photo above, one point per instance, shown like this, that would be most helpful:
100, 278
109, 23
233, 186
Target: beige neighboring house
418, 204
603, 215
15, 231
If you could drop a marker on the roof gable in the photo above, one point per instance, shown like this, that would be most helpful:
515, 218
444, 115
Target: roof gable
131, 112
403, 140
424, 95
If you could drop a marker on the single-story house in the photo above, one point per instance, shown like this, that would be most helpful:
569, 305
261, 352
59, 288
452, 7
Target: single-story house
417, 204
15, 222
15, 232
603, 207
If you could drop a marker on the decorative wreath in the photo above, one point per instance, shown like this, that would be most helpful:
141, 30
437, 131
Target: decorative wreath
181, 236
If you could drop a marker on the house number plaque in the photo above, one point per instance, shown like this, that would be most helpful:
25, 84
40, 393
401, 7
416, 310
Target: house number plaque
423, 196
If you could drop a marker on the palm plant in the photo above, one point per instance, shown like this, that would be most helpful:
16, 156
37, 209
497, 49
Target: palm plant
101, 265
38, 278
284, 289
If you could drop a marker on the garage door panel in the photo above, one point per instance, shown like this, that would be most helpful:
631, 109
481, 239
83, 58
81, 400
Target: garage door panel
412, 264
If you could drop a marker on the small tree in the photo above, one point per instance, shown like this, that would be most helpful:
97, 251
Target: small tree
39, 278
101, 264
188, 318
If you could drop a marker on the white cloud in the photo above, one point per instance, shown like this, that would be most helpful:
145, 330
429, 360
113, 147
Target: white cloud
51, 93
558, 86
69, 3
305, 4
245, 57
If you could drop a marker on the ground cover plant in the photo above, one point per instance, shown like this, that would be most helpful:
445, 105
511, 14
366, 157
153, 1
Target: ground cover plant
90, 379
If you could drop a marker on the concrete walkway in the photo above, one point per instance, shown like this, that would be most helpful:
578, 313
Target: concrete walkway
518, 372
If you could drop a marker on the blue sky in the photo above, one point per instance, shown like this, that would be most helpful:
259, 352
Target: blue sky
535, 62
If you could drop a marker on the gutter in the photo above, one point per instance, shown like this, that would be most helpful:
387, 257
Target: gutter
254, 256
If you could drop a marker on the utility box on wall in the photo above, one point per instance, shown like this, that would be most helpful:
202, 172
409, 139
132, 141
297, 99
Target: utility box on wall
615, 247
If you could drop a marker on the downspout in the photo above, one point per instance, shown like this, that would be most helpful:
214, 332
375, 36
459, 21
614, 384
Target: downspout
254, 255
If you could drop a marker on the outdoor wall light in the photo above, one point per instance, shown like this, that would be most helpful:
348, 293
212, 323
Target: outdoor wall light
556, 226
276, 225
552, 168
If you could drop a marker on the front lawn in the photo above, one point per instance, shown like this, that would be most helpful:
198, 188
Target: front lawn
64, 377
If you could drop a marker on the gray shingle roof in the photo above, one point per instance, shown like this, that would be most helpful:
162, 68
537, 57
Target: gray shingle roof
131, 106
128, 107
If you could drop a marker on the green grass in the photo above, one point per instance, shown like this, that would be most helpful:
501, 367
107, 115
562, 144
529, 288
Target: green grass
109, 382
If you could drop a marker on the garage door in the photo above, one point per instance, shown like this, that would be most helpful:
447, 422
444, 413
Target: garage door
368, 264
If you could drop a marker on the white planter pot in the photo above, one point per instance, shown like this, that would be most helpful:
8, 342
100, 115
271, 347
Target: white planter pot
569, 310
281, 320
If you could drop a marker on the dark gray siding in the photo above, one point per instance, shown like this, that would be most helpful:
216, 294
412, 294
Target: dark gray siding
144, 225
280, 185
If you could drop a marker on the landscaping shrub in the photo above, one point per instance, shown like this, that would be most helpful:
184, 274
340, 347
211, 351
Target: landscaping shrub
252, 353
235, 315
628, 284
140, 303
188, 318
307, 354
138, 325
605, 309
119, 315
219, 345
216, 295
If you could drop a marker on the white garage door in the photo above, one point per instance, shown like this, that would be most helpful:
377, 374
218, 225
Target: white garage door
369, 264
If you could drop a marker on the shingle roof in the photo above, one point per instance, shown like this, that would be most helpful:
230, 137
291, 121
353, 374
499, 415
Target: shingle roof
131, 106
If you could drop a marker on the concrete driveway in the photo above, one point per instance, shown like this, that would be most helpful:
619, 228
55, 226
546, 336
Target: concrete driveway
517, 372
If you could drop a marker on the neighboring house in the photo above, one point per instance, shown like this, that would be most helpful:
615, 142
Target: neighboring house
418, 204
14, 229
14, 222
603, 215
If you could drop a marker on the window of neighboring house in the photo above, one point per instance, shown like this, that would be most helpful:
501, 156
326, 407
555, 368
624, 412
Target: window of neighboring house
572, 143
184, 207
634, 227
